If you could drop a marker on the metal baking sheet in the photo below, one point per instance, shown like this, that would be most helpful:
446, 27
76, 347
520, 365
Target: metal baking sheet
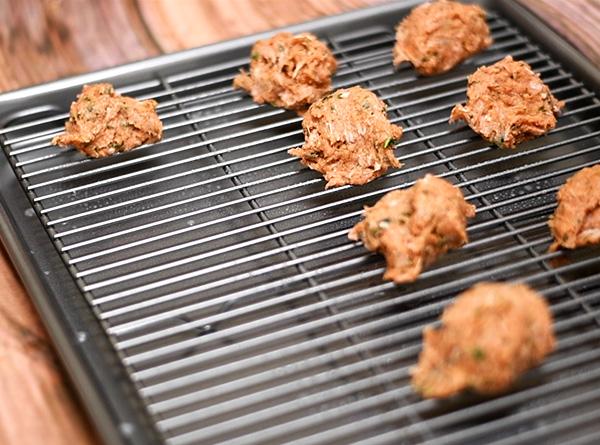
202, 289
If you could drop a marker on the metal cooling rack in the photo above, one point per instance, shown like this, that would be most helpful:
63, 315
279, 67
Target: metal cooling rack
221, 273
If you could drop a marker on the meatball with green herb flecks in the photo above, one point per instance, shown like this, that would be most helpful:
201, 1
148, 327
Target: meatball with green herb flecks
102, 122
576, 222
348, 138
288, 71
491, 334
413, 227
507, 103
437, 36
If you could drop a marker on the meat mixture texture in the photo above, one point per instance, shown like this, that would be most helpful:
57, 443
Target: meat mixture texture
435, 37
102, 122
348, 138
576, 222
415, 226
507, 103
288, 71
490, 335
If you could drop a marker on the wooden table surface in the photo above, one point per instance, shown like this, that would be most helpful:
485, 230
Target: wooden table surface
41, 40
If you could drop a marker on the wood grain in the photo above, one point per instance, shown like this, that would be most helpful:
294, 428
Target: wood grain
193, 23
577, 20
37, 404
41, 40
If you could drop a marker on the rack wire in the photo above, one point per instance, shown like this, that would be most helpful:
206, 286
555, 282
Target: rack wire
221, 270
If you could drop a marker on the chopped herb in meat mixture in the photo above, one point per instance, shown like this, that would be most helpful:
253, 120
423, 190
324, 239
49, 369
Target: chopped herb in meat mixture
103, 122
437, 36
415, 226
288, 71
491, 334
576, 222
507, 103
348, 138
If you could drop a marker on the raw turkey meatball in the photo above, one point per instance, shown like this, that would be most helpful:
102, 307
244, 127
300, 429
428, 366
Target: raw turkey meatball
415, 226
288, 71
102, 122
576, 222
507, 103
489, 336
348, 138
435, 37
